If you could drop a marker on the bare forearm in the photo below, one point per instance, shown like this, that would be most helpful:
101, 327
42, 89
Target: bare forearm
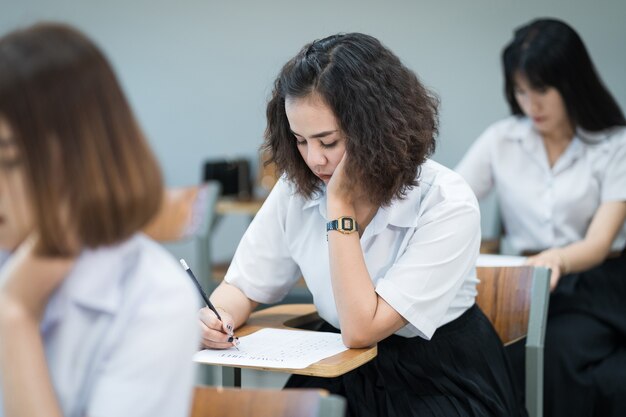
26, 385
354, 292
230, 299
364, 317
583, 255
596, 246
588, 252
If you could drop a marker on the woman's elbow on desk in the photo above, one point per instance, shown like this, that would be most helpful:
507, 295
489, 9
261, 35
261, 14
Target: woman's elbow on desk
362, 329
358, 336
356, 341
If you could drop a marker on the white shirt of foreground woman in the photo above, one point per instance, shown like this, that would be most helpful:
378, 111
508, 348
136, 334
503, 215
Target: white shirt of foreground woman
420, 251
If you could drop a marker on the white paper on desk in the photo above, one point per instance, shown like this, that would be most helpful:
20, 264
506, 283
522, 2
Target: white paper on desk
277, 348
500, 260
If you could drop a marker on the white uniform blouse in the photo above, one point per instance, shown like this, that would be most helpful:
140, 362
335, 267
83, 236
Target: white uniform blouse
120, 333
420, 251
544, 207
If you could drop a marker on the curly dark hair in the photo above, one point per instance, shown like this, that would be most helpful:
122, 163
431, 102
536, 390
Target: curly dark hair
388, 117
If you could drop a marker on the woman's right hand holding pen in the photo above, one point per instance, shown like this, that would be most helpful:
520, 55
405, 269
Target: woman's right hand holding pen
217, 334
218, 326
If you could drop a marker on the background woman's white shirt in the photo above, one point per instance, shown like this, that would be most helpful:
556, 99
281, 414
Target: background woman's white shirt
420, 251
120, 333
543, 206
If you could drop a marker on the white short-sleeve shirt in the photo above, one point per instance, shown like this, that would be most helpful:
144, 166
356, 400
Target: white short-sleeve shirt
543, 206
420, 251
120, 333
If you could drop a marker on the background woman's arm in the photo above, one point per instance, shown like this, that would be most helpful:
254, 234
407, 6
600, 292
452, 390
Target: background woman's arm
589, 252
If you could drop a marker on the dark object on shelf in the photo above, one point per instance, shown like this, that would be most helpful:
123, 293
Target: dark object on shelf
233, 175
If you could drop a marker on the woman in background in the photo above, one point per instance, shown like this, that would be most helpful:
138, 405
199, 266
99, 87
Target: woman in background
558, 165
95, 319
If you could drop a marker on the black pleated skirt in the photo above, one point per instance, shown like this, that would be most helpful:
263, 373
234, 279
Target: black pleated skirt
585, 350
599, 292
461, 371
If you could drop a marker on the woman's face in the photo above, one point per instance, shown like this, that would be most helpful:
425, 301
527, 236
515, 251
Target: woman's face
317, 134
15, 209
545, 107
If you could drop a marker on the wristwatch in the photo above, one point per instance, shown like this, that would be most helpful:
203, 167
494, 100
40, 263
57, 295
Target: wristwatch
343, 224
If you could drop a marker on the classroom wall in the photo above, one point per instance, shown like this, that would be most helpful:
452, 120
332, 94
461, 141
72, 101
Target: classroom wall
198, 73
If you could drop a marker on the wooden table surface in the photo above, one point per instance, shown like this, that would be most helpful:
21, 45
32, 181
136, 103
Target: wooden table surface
226, 206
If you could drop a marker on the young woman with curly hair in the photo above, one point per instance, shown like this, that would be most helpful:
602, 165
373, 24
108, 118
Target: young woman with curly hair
351, 128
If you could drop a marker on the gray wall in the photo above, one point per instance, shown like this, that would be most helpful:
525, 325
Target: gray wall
198, 73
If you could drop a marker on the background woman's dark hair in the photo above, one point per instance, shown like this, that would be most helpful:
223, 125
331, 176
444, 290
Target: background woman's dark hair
549, 52
83, 154
389, 118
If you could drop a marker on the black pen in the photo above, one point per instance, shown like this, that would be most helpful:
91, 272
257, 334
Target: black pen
201, 291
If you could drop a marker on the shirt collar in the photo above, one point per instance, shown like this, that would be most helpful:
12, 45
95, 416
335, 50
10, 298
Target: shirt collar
400, 213
524, 133
531, 141
520, 130
317, 199
96, 281
593, 137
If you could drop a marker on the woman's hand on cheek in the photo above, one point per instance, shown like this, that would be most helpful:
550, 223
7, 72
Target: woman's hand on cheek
337, 187
27, 280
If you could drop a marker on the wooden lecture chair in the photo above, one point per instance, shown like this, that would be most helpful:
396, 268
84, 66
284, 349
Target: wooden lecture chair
515, 299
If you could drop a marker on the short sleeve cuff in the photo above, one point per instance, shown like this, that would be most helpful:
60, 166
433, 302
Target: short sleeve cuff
419, 324
254, 292
614, 182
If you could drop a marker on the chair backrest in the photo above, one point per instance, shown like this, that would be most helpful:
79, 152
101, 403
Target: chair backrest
185, 212
504, 295
515, 299
246, 402
184, 225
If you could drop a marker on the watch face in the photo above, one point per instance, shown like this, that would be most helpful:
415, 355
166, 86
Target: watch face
347, 223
